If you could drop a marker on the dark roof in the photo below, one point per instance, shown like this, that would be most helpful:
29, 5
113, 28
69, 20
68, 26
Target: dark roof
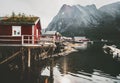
18, 20
49, 33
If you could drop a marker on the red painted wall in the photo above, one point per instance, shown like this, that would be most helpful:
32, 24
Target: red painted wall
7, 30
25, 30
37, 26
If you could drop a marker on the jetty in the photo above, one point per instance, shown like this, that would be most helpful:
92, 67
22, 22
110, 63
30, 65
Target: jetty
22, 45
26, 56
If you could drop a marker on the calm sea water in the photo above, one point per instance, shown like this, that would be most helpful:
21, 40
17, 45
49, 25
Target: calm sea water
67, 69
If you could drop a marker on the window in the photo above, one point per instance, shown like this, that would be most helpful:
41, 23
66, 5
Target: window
16, 30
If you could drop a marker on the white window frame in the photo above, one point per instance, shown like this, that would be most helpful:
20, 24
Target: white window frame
17, 29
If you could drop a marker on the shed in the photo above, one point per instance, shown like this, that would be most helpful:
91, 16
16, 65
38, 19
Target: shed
20, 30
80, 39
56, 36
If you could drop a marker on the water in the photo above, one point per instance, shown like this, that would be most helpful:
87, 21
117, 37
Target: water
66, 69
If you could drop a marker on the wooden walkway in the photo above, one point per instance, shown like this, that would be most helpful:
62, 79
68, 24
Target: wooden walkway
42, 45
26, 40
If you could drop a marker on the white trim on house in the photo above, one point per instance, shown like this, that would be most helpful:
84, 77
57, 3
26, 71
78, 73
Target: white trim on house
37, 33
33, 34
37, 20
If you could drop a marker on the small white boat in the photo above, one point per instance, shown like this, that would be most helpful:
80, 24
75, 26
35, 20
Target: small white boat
112, 50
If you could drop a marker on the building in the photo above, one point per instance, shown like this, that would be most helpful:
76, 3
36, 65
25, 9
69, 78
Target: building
20, 30
80, 39
52, 35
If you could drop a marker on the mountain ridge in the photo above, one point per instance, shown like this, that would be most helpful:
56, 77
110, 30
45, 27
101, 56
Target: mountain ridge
80, 20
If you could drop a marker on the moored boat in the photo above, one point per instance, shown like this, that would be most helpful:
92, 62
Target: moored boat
112, 50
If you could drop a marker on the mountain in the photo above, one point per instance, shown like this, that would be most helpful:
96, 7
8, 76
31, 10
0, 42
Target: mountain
111, 9
87, 20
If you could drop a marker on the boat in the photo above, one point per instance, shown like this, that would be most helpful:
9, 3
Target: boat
112, 50
118, 77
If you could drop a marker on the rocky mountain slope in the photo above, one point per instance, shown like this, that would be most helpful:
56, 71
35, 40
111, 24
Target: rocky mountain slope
76, 20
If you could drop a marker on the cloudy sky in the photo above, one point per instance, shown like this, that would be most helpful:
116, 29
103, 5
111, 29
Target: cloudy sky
45, 9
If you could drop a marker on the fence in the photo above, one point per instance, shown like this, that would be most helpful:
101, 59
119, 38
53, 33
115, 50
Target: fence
24, 39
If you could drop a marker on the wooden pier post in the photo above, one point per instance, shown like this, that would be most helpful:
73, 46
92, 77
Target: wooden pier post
22, 64
29, 57
51, 66
29, 64
51, 69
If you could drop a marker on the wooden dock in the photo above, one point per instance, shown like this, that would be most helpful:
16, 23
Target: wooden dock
27, 48
27, 55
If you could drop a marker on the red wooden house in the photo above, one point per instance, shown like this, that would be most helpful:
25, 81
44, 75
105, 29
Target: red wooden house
19, 30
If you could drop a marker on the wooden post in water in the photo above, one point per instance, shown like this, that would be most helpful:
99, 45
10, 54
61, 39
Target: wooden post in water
29, 64
51, 66
29, 57
23, 63
51, 70
23, 60
46, 80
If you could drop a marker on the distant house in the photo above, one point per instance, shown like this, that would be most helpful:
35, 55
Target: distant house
80, 39
19, 30
67, 39
56, 36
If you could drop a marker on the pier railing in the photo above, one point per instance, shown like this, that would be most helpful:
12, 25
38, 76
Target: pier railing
25, 39
30, 39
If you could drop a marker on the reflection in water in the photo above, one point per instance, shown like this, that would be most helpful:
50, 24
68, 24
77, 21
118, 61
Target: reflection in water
66, 69
64, 79
64, 66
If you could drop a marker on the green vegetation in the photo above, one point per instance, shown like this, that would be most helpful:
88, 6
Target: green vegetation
19, 18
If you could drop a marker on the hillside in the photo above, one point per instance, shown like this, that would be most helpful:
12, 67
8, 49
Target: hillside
76, 20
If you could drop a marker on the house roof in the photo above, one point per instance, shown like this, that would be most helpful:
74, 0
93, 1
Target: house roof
18, 20
51, 33
80, 37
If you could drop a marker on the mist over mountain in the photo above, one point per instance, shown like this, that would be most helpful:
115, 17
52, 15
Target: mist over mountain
76, 20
